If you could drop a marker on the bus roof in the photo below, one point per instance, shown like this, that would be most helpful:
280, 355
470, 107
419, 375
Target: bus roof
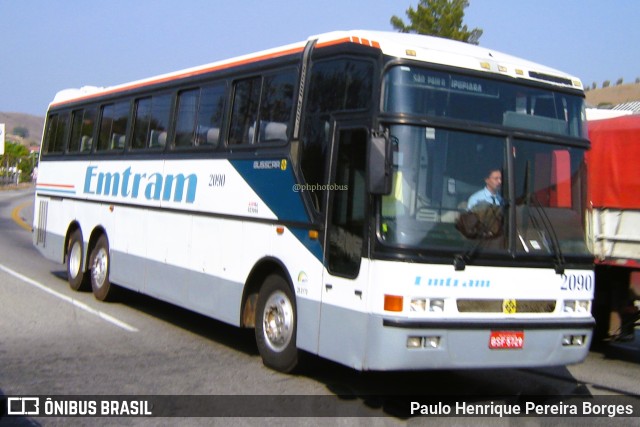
402, 45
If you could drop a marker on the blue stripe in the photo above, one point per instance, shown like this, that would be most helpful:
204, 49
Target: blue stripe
313, 245
48, 190
275, 187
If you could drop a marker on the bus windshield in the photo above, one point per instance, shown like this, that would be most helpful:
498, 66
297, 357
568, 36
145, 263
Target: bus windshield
451, 191
424, 92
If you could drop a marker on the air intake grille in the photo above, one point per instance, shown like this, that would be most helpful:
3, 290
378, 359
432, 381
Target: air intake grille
41, 235
496, 306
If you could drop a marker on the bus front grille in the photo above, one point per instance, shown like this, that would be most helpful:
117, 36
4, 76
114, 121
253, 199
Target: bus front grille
497, 306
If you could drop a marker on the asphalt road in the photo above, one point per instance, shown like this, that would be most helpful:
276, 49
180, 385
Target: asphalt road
54, 341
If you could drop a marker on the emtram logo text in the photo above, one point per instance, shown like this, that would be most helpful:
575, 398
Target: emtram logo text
153, 186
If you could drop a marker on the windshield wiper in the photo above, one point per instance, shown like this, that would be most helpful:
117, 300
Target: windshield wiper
530, 199
548, 227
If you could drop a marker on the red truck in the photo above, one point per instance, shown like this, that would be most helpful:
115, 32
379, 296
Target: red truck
613, 225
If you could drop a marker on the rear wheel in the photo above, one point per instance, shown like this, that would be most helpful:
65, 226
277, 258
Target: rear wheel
76, 275
99, 263
276, 324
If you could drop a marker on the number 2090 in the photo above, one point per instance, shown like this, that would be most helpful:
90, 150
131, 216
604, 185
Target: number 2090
577, 282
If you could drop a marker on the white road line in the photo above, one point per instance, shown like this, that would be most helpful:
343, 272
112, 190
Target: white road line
76, 303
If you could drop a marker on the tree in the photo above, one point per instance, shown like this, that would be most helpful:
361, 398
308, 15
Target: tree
21, 131
442, 18
18, 156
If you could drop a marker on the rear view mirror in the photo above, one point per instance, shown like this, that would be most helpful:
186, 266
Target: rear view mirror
379, 164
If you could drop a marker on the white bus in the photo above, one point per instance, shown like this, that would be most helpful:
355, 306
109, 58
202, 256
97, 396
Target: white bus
318, 193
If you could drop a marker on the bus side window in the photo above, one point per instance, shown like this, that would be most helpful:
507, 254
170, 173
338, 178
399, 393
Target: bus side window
186, 117
210, 113
82, 124
56, 133
276, 106
244, 111
113, 126
155, 123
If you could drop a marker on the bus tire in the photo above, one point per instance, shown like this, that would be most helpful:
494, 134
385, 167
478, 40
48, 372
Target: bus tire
100, 263
76, 275
276, 324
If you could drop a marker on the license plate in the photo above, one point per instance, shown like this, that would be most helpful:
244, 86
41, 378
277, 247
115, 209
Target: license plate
506, 340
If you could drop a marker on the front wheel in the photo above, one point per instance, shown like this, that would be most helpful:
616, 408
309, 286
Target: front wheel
276, 324
99, 264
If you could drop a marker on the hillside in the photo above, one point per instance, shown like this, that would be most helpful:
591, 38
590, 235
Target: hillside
614, 95
32, 124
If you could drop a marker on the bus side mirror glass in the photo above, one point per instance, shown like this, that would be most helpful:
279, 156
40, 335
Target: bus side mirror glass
379, 162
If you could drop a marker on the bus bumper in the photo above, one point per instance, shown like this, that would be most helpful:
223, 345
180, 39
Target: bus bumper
401, 344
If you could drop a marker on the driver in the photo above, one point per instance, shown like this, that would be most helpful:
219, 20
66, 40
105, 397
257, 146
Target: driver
490, 194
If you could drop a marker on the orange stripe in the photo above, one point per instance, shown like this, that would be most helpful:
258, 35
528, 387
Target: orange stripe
352, 39
218, 68
185, 75
56, 185
334, 42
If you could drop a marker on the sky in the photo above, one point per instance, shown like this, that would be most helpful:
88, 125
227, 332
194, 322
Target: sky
50, 45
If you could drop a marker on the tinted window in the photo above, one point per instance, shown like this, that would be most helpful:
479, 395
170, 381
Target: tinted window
199, 118
185, 123
83, 123
340, 85
262, 108
246, 97
276, 106
151, 122
419, 91
347, 220
335, 85
210, 115
56, 133
113, 126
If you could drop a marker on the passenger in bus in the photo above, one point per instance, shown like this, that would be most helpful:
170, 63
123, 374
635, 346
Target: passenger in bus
490, 194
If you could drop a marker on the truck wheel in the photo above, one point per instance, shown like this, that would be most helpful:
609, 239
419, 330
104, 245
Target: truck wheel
78, 279
276, 325
99, 263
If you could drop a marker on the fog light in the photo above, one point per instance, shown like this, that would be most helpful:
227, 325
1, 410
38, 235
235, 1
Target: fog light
574, 340
569, 306
414, 342
432, 342
418, 304
583, 306
578, 340
436, 305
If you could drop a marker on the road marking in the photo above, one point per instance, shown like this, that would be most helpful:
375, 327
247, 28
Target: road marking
74, 302
15, 215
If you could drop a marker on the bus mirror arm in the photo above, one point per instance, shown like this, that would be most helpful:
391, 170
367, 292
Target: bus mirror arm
379, 164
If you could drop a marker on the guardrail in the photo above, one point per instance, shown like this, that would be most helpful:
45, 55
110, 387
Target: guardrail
12, 179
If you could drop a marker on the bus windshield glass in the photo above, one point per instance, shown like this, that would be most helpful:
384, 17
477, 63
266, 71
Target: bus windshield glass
450, 191
425, 92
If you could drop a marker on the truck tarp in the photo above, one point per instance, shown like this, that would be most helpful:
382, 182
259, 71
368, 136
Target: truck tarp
614, 162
